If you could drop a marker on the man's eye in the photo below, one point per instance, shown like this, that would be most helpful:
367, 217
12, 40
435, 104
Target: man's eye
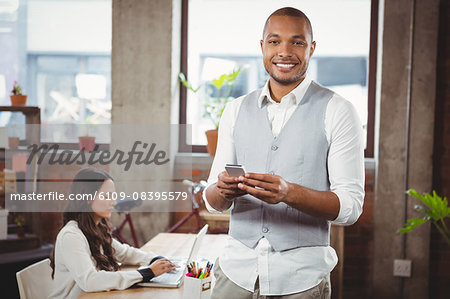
273, 42
299, 43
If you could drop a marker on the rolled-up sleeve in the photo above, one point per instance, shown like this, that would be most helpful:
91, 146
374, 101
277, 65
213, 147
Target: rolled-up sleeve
207, 205
345, 159
225, 147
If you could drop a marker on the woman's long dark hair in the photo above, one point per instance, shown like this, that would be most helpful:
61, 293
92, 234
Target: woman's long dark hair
88, 181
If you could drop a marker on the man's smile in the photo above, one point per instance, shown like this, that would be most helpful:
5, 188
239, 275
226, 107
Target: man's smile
285, 66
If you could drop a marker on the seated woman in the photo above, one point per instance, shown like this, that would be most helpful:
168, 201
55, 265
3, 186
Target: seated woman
86, 257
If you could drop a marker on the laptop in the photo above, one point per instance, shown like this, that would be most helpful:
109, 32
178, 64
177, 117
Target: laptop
175, 278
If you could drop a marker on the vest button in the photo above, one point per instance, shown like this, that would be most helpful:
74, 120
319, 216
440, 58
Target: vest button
274, 147
265, 229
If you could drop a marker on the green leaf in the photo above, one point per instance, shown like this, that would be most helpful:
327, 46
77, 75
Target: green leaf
233, 76
422, 209
226, 78
186, 83
214, 106
438, 207
413, 223
435, 209
218, 83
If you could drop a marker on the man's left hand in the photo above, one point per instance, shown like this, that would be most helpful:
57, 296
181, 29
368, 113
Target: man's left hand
267, 187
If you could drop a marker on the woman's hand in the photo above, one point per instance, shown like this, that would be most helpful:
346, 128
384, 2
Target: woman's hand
162, 266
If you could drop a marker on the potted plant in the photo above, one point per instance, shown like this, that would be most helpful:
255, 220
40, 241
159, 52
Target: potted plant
86, 143
19, 220
17, 98
436, 210
214, 105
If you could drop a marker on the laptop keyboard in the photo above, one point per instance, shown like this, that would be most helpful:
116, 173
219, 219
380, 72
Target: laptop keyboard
171, 277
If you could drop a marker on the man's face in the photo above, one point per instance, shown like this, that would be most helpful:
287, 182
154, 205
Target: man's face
287, 48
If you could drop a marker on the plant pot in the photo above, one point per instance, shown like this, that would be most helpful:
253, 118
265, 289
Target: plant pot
211, 136
18, 100
20, 231
86, 143
13, 142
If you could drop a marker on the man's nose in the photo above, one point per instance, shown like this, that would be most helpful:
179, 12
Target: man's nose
284, 50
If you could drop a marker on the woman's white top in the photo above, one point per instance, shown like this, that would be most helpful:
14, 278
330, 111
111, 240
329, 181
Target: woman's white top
75, 270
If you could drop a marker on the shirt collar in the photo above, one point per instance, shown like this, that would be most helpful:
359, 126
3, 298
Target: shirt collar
296, 94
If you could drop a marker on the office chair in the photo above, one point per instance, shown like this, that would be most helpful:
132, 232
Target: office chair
35, 281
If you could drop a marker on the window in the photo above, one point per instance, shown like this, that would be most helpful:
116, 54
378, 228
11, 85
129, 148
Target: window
221, 35
59, 51
71, 88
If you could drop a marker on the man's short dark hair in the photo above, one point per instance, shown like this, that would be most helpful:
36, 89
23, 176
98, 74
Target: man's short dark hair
290, 12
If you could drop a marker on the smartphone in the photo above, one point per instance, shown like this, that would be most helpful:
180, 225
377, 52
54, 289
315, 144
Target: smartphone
235, 170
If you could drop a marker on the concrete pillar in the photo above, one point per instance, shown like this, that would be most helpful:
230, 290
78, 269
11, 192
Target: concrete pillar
406, 98
142, 63
145, 63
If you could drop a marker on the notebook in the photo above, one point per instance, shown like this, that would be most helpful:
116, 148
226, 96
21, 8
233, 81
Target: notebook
174, 278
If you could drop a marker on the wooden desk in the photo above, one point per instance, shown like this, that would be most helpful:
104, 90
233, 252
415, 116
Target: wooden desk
179, 245
168, 245
217, 222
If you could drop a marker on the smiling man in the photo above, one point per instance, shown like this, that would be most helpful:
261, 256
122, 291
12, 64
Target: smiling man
287, 47
302, 147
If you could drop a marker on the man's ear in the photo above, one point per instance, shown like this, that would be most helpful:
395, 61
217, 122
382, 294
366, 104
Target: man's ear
261, 42
312, 49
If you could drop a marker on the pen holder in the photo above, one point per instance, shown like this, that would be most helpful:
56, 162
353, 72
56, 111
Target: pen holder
195, 288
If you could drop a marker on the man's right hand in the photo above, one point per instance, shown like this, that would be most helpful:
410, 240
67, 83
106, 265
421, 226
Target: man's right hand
222, 194
227, 186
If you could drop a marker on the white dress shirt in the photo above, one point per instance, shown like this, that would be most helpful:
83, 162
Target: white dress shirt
75, 270
299, 269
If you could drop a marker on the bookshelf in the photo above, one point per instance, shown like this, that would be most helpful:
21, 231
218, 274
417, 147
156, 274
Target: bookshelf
32, 136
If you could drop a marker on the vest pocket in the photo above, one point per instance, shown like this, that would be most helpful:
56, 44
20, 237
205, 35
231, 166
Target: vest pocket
296, 174
293, 216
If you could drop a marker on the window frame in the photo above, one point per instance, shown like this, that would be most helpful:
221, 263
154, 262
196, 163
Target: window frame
371, 81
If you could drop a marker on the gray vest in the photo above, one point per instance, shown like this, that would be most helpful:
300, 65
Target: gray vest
298, 154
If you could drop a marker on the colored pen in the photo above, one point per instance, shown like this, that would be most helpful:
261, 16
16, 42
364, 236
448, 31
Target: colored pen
210, 268
203, 275
194, 270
